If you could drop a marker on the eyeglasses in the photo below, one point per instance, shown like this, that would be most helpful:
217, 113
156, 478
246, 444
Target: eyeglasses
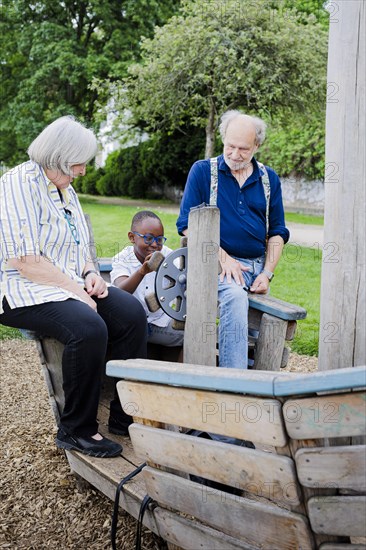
71, 223
150, 239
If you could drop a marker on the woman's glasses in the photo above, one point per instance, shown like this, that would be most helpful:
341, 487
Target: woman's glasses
150, 239
71, 223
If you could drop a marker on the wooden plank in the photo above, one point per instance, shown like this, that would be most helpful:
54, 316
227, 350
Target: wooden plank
264, 474
277, 308
53, 351
203, 247
105, 478
249, 418
330, 416
338, 515
338, 467
195, 376
291, 330
254, 318
341, 546
270, 344
265, 383
258, 524
331, 380
191, 534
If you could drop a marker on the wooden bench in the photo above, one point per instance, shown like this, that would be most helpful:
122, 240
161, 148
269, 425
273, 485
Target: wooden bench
304, 484
271, 322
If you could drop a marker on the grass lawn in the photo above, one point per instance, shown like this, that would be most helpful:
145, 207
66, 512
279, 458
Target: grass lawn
297, 276
294, 217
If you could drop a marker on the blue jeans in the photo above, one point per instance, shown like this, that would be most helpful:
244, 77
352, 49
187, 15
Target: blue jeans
165, 336
233, 327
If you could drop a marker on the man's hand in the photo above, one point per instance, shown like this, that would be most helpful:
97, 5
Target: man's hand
95, 285
260, 284
231, 269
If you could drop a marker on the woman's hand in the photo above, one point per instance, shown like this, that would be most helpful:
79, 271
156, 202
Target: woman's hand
95, 285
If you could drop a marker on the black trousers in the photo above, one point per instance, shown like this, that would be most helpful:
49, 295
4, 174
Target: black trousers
119, 326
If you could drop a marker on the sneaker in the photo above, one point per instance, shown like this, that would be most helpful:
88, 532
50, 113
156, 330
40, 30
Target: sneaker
105, 448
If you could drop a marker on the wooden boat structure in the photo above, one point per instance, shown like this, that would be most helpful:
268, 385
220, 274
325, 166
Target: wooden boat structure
303, 486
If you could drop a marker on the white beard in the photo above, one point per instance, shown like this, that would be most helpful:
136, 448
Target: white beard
237, 165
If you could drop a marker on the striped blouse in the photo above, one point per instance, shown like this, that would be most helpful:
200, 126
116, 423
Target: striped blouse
33, 222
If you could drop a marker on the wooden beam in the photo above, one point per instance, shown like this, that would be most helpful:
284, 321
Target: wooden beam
248, 382
342, 308
202, 284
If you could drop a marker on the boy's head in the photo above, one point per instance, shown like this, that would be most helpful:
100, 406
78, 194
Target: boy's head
149, 225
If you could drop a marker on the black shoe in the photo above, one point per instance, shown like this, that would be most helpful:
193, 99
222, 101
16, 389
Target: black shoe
118, 431
119, 426
105, 448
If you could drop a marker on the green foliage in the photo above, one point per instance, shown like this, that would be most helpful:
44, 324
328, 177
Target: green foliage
88, 184
143, 170
51, 51
313, 8
296, 146
208, 59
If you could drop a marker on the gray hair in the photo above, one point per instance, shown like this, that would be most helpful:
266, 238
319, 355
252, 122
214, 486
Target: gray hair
259, 124
62, 144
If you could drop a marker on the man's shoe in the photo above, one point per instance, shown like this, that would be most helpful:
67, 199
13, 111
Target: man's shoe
105, 448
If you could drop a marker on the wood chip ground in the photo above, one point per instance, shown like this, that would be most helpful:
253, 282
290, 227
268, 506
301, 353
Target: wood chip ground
42, 504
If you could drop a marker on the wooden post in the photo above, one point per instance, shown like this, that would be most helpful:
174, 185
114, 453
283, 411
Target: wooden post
343, 298
202, 269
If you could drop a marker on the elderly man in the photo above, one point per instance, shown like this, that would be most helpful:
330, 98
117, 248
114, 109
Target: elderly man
252, 225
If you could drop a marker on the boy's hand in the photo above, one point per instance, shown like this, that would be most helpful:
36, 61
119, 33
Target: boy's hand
145, 268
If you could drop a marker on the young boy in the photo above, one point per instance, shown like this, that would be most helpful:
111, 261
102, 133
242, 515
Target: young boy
131, 272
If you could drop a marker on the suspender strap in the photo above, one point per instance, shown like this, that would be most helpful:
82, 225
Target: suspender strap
214, 184
267, 191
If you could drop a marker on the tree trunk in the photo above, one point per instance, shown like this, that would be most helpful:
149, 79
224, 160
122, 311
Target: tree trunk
342, 315
210, 132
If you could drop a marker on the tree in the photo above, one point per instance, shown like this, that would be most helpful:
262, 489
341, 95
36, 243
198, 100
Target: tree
51, 51
219, 55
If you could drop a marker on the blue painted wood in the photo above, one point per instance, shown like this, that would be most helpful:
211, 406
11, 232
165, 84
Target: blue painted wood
264, 383
277, 308
105, 265
194, 376
330, 380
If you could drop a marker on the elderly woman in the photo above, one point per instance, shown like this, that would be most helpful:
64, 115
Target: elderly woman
50, 285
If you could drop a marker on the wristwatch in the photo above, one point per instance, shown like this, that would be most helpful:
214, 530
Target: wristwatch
268, 274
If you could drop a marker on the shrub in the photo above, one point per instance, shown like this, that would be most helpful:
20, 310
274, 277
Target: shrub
88, 184
297, 147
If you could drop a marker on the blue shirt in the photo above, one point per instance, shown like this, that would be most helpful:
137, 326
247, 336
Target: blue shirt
242, 209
